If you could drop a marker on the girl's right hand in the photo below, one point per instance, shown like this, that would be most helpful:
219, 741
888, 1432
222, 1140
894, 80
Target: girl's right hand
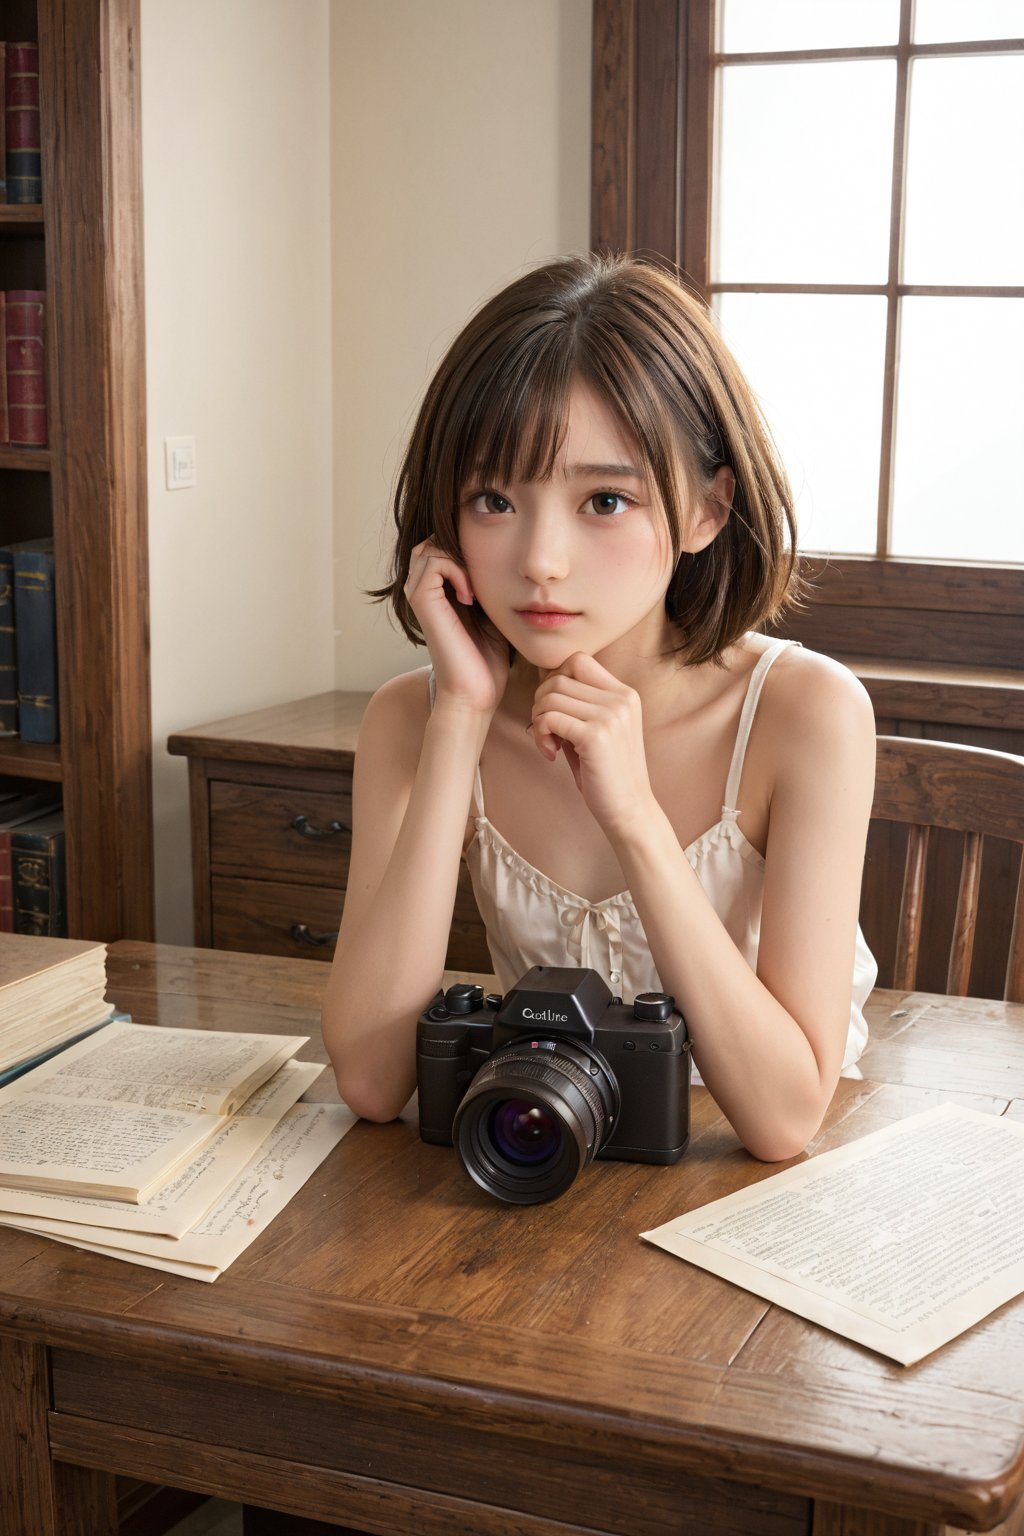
471, 660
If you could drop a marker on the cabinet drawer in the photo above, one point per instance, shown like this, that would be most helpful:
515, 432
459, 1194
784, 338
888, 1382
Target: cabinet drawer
259, 916
282, 834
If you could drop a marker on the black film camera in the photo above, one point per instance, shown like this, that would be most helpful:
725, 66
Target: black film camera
530, 1087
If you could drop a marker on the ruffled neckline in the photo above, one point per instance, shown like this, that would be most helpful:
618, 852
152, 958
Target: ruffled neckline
724, 830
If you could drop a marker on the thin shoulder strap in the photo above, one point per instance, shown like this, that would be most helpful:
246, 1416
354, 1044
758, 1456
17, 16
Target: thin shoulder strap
730, 810
477, 803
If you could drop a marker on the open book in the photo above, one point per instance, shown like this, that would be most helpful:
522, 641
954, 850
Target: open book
117, 1114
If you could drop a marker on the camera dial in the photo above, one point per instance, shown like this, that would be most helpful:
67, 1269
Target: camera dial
653, 1006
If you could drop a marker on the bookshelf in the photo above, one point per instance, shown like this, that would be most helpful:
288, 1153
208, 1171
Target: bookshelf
87, 488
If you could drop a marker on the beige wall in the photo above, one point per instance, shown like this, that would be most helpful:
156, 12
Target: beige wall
387, 163
460, 155
235, 119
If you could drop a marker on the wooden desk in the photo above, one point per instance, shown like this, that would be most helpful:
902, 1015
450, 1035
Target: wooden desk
400, 1353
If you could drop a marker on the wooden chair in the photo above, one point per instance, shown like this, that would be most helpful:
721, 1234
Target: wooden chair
926, 784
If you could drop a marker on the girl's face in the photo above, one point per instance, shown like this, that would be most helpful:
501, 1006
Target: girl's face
581, 562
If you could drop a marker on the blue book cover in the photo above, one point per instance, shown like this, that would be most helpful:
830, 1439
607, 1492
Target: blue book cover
8, 652
37, 877
35, 620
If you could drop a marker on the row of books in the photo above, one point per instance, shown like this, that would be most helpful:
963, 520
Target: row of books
20, 141
33, 885
171, 1148
28, 642
23, 422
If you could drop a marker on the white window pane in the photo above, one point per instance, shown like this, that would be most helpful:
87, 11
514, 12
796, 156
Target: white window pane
959, 472
748, 26
804, 172
955, 21
965, 185
815, 362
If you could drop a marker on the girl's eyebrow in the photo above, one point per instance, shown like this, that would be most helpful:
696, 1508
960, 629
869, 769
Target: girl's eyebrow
626, 470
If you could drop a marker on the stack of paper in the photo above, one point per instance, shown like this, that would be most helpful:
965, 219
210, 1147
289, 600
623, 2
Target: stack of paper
169, 1147
51, 990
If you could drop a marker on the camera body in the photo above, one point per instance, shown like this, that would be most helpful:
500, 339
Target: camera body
532, 1085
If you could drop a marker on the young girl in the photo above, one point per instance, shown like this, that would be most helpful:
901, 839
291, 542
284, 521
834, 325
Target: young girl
592, 526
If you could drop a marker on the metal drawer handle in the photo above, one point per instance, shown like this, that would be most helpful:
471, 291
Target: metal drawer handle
305, 828
300, 932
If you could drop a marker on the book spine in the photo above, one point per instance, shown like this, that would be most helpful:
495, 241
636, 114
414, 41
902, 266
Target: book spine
21, 121
24, 317
5, 420
8, 651
3, 123
37, 877
35, 618
6, 884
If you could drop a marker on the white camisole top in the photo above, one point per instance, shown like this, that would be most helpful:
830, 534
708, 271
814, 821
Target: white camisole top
531, 920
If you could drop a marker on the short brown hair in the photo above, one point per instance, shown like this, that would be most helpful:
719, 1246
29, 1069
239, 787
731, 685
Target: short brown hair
496, 409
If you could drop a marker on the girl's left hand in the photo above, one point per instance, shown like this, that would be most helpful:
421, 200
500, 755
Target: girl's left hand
583, 711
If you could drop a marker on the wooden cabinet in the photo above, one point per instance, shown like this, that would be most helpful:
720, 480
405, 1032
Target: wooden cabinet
87, 488
271, 809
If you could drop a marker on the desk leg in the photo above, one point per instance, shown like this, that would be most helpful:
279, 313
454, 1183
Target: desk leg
38, 1495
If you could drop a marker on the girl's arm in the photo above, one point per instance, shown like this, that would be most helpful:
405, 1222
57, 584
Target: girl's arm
411, 794
410, 799
769, 1045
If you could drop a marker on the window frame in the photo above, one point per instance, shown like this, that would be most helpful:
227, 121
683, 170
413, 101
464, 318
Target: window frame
654, 65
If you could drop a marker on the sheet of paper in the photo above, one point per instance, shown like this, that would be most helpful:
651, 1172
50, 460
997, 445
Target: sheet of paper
900, 1241
178, 1205
294, 1150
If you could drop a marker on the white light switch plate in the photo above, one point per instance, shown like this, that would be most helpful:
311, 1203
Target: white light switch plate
180, 461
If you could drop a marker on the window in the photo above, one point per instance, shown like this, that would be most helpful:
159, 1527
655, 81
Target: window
782, 154
866, 234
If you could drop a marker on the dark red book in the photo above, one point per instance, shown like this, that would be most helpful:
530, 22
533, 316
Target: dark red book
21, 123
5, 421
24, 310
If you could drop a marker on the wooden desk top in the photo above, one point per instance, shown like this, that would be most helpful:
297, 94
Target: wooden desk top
392, 1286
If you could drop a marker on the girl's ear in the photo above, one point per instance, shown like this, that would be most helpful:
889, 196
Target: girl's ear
713, 512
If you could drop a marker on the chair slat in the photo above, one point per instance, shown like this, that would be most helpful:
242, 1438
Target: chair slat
1013, 991
908, 940
965, 922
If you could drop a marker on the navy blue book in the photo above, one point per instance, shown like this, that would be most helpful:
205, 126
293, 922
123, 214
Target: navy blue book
21, 88
8, 651
35, 620
38, 877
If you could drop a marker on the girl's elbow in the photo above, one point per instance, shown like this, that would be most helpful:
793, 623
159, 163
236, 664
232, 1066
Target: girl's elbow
369, 1097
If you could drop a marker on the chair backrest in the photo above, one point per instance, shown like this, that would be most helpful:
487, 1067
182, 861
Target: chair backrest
927, 784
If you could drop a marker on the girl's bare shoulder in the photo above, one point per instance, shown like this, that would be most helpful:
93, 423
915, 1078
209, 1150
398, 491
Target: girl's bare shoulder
396, 718
816, 704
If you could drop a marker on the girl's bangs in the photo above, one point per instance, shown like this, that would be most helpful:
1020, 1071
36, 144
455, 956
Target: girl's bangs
514, 420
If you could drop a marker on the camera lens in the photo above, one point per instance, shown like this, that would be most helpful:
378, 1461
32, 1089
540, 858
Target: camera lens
535, 1114
524, 1133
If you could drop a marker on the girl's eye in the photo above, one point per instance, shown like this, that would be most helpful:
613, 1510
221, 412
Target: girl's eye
489, 501
604, 503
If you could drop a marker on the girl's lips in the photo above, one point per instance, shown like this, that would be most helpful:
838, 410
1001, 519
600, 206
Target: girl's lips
545, 618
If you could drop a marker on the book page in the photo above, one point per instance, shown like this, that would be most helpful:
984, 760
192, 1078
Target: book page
296, 1147
900, 1240
191, 1070
179, 1204
117, 1115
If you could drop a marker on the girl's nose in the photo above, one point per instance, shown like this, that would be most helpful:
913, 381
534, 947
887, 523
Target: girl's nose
544, 555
